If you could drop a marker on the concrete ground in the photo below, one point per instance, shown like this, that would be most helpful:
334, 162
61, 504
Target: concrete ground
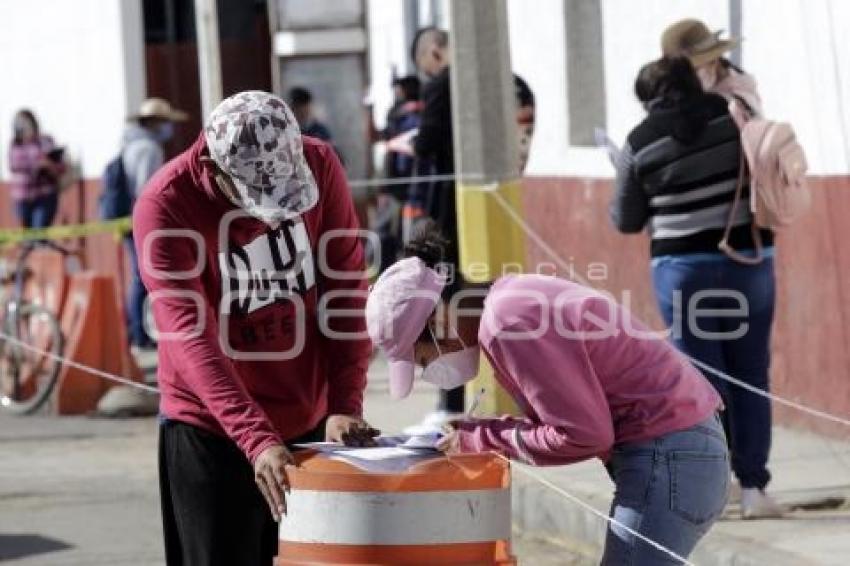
83, 491
811, 477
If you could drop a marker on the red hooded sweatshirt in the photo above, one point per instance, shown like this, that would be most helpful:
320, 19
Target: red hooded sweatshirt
245, 355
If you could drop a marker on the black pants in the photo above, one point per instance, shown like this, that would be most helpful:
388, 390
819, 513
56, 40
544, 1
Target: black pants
212, 512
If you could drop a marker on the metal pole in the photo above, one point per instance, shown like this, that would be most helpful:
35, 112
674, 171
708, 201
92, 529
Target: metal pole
736, 28
483, 98
484, 111
411, 26
209, 55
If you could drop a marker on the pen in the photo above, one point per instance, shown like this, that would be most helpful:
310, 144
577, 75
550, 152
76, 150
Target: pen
475, 401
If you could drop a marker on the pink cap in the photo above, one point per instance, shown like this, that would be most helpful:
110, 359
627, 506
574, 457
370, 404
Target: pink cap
398, 307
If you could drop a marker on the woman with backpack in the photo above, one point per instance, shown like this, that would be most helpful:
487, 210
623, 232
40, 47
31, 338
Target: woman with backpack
678, 177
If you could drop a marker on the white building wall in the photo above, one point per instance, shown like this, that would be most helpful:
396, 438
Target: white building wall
538, 56
79, 65
800, 55
387, 53
632, 35
797, 51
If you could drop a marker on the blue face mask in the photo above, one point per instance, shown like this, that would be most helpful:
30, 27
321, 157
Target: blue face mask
164, 132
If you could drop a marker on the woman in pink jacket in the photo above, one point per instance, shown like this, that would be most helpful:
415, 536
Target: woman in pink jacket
591, 380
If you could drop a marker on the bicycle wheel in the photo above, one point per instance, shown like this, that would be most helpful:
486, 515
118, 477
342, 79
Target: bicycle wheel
28, 373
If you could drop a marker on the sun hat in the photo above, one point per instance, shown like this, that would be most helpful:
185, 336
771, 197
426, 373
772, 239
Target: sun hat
397, 311
692, 39
159, 108
254, 138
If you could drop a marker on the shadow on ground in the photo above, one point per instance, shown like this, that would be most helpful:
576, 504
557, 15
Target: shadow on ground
23, 545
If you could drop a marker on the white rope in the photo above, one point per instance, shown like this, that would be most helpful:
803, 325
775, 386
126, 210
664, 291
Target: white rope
571, 272
397, 181
771, 396
81, 367
528, 471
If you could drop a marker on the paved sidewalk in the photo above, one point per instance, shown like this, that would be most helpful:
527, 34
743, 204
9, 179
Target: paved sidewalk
808, 470
82, 491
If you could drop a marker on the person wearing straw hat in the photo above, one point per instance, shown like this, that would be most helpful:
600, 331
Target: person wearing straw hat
592, 380
706, 49
148, 129
688, 204
142, 155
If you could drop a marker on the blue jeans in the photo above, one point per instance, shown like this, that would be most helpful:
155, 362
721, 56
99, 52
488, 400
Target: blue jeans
39, 212
746, 357
136, 295
671, 490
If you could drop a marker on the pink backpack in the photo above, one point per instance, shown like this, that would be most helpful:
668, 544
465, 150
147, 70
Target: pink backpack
777, 166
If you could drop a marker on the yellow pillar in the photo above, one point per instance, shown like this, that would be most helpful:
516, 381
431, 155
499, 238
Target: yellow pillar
484, 113
491, 245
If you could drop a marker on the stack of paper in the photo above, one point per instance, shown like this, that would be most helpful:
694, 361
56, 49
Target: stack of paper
391, 455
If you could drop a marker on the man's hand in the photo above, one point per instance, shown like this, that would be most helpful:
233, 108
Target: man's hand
270, 475
351, 431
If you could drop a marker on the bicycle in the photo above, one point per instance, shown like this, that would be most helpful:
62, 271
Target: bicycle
30, 340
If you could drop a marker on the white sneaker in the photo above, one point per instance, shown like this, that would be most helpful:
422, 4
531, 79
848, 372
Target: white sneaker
756, 504
734, 496
432, 423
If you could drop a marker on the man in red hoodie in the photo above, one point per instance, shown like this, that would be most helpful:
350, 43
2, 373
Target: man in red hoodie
248, 244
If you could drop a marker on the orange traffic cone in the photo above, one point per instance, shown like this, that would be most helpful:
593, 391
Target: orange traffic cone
95, 336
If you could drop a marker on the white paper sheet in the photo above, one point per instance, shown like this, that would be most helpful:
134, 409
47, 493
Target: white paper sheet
394, 454
606, 143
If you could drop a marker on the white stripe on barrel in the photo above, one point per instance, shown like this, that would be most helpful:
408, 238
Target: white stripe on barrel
396, 518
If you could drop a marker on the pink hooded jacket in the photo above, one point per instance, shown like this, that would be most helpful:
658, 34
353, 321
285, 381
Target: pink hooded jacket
740, 85
587, 375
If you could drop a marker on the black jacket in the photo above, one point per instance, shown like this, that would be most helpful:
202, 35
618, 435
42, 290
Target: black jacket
434, 141
434, 149
677, 176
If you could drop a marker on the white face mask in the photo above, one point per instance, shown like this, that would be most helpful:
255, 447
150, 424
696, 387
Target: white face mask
453, 369
707, 76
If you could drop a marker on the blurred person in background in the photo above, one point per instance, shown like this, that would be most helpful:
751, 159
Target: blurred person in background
525, 119
399, 164
301, 102
36, 165
142, 155
434, 146
678, 176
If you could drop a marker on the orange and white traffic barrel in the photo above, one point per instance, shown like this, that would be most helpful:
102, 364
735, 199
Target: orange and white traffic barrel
452, 510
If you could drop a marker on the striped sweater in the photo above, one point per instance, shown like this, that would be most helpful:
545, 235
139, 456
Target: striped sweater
682, 191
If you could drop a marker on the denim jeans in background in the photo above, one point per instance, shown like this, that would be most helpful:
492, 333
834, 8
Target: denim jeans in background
671, 490
136, 295
747, 416
39, 212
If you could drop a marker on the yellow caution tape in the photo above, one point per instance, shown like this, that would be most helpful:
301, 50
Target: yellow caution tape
118, 227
